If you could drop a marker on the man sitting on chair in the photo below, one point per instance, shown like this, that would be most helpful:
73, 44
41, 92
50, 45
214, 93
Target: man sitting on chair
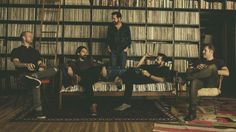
204, 73
84, 71
143, 74
28, 64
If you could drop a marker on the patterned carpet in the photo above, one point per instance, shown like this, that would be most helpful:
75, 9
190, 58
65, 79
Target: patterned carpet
141, 110
212, 115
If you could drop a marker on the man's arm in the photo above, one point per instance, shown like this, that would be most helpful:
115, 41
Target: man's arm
141, 61
224, 71
18, 64
153, 77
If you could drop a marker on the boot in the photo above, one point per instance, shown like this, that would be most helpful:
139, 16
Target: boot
192, 114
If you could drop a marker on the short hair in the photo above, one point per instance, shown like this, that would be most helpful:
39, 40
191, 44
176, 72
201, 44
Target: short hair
23, 34
210, 46
118, 14
163, 56
78, 50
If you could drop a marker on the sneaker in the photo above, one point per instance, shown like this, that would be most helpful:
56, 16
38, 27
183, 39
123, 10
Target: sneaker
123, 107
40, 115
33, 81
118, 81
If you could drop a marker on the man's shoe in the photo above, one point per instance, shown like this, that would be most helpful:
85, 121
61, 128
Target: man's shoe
93, 110
123, 107
39, 115
190, 116
118, 81
33, 81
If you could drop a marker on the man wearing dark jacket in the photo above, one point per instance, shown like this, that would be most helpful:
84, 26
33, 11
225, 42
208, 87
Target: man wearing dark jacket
118, 40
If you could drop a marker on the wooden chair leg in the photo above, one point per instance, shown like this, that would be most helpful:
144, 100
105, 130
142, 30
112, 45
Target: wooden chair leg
60, 100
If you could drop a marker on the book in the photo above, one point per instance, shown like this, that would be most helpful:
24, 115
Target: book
16, 13
159, 17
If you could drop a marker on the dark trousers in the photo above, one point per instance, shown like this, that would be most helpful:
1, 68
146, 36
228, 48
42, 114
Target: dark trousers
88, 78
207, 77
118, 59
130, 77
36, 91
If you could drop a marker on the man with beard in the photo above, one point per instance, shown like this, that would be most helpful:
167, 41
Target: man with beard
144, 74
84, 71
118, 41
204, 73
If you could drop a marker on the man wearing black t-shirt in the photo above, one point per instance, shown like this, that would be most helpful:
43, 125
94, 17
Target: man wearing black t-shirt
28, 64
204, 73
144, 74
84, 71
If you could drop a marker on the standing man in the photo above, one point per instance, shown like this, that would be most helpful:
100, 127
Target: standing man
118, 41
204, 73
30, 67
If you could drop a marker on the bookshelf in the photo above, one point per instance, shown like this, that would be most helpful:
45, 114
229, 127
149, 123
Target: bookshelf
168, 26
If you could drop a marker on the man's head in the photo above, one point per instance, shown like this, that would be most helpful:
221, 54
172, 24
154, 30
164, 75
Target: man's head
26, 37
82, 52
116, 17
208, 51
161, 59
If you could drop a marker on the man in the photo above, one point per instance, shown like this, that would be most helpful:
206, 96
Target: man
30, 67
118, 41
144, 74
204, 73
84, 71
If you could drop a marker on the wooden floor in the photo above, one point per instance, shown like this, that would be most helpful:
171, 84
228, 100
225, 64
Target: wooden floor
8, 110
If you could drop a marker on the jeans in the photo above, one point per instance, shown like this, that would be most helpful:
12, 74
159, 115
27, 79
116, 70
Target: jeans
36, 91
207, 77
118, 59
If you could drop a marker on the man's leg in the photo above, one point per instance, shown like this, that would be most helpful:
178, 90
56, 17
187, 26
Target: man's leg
113, 59
122, 59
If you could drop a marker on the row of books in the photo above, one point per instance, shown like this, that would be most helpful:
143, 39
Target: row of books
2, 47
138, 33
187, 18
160, 17
3, 13
83, 14
99, 31
160, 3
50, 62
6, 63
231, 5
50, 29
186, 4
14, 30
133, 16
132, 3
3, 30
50, 14
107, 86
191, 34
106, 2
21, 1
211, 4
181, 65
153, 87
77, 31
186, 50
159, 33
21, 13
11, 45
49, 48
131, 63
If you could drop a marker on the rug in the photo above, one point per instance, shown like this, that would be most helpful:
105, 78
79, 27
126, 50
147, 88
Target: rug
158, 127
210, 113
141, 110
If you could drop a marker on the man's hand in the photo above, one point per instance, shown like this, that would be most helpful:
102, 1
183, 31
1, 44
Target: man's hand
201, 66
70, 71
30, 66
126, 49
146, 73
109, 49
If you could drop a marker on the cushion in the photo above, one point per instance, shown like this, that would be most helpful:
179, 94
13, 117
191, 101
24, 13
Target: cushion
208, 92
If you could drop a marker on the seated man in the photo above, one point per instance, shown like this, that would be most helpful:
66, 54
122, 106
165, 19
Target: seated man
143, 74
204, 73
29, 65
84, 71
